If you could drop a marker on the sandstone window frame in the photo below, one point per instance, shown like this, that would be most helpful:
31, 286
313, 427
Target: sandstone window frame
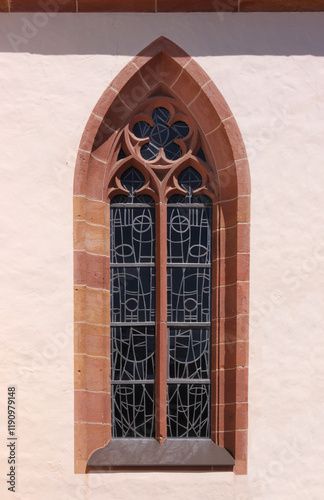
161, 67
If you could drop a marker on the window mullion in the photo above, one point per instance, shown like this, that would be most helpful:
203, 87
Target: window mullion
161, 324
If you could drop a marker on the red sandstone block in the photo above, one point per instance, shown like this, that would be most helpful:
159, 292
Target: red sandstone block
91, 373
4, 5
228, 183
197, 5
92, 406
116, 6
205, 114
234, 135
221, 148
80, 177
97, 306
47, 7
243, 238
186, 88
243, 267
242, 327
242, 298
95, 174
281, 5
217, 100
89, 437
79, 303
230, 213
92, 339
91, 270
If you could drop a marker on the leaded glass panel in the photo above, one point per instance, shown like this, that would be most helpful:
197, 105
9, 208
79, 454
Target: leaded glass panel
133, 410
188, 410
189, 303
132, 234
189, 292
189, 353
189, 234
132, 294
132, 277
133, 353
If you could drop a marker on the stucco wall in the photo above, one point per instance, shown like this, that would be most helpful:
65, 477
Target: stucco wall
270, 69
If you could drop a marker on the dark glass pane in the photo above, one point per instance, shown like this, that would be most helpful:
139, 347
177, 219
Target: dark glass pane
189, 353
120, 198
189, 293
149, 151
132, 235
144, 199
133, 411
181, 129
200, 199
132, 180
121, 154
161, 116
132, 353
142, 129
190, 179
132, 295
189, 235
188, 411
177, 198
201, 155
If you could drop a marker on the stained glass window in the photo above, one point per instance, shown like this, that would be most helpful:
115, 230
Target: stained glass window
161, 135
132, 310
189, 318
133, 304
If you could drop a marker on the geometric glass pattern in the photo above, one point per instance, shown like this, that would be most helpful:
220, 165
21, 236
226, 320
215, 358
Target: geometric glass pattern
189, 238
188, 410
161, 135
189, 353
133, 410
132, 270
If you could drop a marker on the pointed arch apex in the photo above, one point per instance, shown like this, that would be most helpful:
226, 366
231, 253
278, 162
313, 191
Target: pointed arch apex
163, 44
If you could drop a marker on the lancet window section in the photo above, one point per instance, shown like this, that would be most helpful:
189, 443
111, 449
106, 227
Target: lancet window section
161, 332
189, 229
132, 310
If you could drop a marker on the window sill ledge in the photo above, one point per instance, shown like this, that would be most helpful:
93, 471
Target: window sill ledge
173, 452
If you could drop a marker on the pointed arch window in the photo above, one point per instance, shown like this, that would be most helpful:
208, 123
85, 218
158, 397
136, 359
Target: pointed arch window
161, 273
162, 199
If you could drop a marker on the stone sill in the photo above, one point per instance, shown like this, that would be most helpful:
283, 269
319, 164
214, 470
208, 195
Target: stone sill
173, 452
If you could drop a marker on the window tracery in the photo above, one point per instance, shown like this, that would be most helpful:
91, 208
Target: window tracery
160, 142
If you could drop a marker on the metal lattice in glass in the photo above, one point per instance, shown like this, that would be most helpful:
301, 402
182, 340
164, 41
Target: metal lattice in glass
162, 135
189, 234
132, 310
133, 302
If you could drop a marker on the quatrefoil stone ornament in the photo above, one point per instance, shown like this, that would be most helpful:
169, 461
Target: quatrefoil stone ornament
161, 135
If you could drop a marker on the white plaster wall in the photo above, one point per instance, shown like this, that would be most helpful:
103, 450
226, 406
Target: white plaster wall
270, 69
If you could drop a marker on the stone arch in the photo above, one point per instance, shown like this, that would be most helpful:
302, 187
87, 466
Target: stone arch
161, 69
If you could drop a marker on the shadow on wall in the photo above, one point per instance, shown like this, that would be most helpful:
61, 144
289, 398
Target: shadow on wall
50, 33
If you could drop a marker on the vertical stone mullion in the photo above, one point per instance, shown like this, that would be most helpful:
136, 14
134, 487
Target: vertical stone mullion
161, 324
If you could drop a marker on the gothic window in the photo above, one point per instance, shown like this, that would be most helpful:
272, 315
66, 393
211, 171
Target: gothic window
161, 273
162, 196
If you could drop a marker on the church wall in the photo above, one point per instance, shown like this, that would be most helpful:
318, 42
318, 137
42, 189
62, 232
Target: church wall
270, 70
